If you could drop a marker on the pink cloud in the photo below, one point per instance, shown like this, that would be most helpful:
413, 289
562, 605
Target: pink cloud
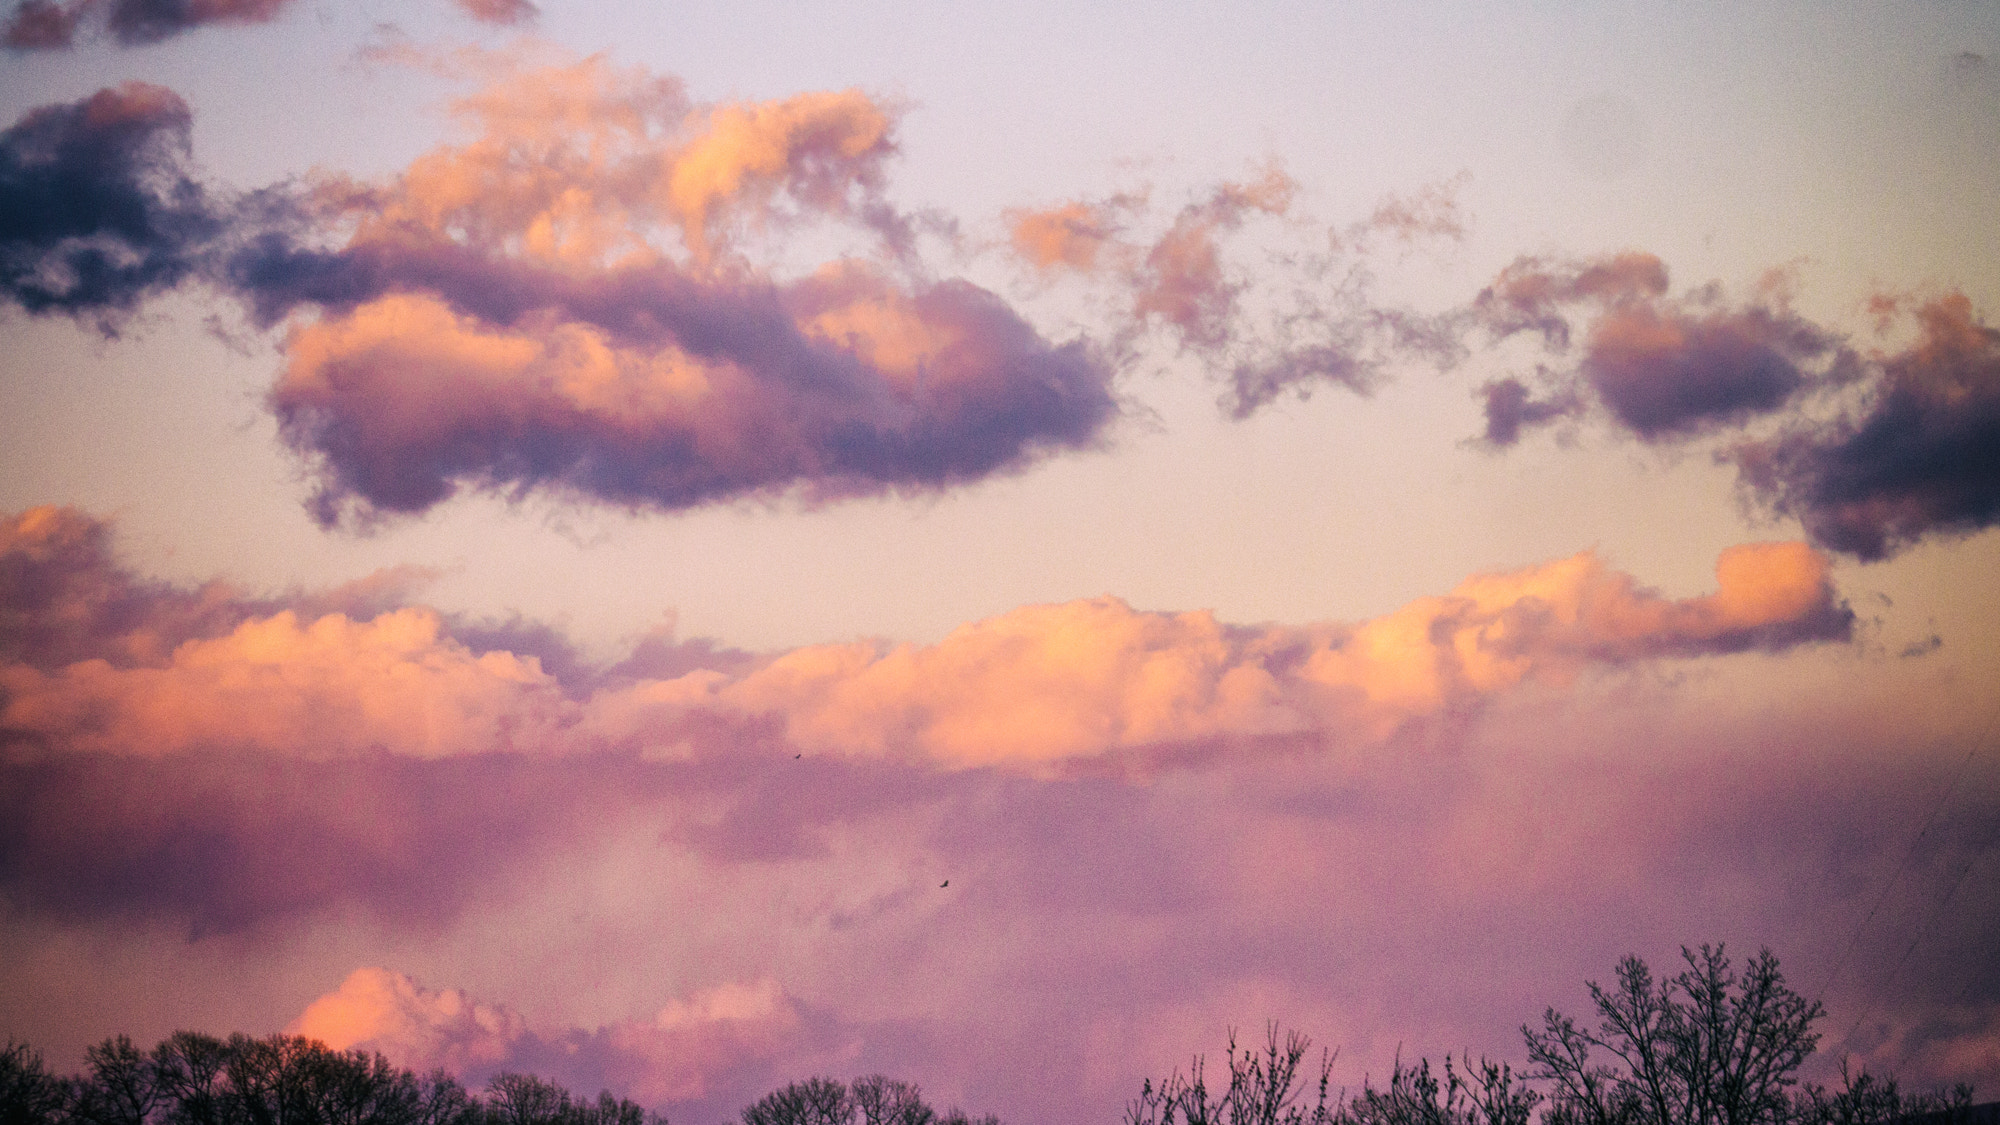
717, 1035
1043, 684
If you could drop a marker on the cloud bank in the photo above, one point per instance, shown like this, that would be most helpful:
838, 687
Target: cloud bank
1029, 689
1162, 821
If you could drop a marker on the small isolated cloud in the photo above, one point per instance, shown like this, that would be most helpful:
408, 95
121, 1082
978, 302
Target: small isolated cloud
1920, 456
1665, 368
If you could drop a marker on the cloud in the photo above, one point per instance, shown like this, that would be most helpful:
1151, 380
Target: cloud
41, 25
1919, 457
512, 315
1181, 282
1665, 368
1034, 687
329, 687
499, 11
1046, 684
220, 843
1870, 451
65, 599
97, 206
53, 24
722, 1035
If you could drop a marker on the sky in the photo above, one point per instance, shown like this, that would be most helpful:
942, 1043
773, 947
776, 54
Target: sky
686, 547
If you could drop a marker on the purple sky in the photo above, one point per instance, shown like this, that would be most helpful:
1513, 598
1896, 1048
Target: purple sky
686, 550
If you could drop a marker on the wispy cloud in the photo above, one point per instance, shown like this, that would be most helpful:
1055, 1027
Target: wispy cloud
44, 25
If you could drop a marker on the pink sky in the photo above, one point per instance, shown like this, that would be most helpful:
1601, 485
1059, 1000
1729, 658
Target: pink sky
685, 551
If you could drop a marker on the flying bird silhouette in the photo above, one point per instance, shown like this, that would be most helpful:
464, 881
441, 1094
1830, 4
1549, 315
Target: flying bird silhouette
944, 884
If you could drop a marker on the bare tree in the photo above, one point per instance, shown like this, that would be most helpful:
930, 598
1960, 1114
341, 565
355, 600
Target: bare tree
1487, 1094
816, 1101
29, 1094
1265, 1088
1706, 1047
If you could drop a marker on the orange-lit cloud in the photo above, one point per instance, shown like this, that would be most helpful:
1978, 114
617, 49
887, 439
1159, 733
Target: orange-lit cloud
331, 686
567, 303
1036, 686
672, 1057
1047, 683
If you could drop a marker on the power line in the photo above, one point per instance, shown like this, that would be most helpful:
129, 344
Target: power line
1937, 908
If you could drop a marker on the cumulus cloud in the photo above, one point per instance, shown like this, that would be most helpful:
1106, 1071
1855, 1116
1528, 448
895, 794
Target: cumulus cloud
1665, 368
570, 302
1045, 684
98, 208
65, 598
1920, 456
332, 686
1039, 685
716, 1035
1871, 451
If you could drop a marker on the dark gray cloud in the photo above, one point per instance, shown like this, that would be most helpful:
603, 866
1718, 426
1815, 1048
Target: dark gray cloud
43, 25
1511, 407
1665, 368
661, 385
1921, 458
98, 208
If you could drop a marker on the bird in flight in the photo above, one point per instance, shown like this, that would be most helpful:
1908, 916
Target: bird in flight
944, 884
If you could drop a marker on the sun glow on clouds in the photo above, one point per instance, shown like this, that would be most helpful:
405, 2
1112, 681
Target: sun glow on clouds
1069, 841
670, 1058
1029, 689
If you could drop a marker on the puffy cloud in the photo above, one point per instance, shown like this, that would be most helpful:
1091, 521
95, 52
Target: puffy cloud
1920, 457
506, 316
420, 1028
1665, 368
1180, 280
1080, 235
97, 207
1871, 452
1045, 684
333, 686
719, 1034
1032, 688
65, 599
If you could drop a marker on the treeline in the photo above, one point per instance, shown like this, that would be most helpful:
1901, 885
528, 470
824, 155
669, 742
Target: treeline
194, 1079
1708, 1046
1705, 1047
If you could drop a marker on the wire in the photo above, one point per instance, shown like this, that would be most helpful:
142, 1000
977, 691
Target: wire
1937, 908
